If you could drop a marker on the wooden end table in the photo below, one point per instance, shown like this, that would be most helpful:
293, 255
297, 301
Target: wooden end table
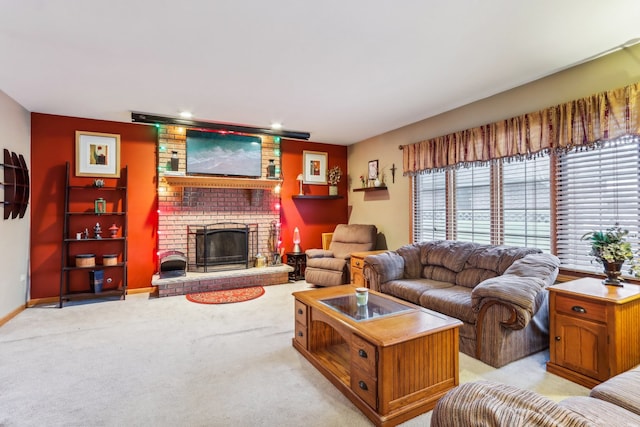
594, 330
391, 358
357, 264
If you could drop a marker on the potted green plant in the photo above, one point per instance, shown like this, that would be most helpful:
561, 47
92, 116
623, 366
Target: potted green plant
611, 248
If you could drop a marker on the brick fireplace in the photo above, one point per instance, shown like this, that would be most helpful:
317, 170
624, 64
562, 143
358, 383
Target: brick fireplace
185, 203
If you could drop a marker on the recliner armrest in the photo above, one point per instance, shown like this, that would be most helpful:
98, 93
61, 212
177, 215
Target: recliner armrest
319, 253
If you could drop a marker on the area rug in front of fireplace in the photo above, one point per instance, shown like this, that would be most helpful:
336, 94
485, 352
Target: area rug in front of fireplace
226, 296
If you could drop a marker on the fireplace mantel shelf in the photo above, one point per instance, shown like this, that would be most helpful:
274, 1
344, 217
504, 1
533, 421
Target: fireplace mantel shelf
221, 182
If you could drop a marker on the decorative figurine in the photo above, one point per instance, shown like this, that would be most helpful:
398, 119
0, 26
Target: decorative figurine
97, 231
113, 230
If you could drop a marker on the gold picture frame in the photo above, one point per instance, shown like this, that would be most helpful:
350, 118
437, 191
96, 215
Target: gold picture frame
97, 154
314, 167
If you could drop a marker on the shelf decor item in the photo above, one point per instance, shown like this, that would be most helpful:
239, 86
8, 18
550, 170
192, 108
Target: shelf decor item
335, 173
100, 205
296, 241
611, 248
113, 230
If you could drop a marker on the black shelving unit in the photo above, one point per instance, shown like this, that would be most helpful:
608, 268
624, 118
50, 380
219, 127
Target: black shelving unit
80, 214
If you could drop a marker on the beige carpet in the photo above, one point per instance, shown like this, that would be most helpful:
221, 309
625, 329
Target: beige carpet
170, 362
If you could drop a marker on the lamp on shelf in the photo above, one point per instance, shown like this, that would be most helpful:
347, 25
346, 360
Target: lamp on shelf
296, 240
299, 178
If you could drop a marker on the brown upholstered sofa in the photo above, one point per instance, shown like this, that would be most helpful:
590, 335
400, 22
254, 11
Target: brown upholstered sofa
332, 267
498, 292
615, 402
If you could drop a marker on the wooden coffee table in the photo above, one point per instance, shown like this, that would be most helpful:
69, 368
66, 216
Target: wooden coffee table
392, 359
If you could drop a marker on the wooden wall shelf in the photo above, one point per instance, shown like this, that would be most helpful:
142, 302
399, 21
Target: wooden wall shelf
221, 182
319, 197
367, 189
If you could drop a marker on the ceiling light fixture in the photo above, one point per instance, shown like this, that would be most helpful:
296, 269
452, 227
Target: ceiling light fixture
186, 114
276, 126
227, 127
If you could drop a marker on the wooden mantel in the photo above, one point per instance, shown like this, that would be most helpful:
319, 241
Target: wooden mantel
221, 182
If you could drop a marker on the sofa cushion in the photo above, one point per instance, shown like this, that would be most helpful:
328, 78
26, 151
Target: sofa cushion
622, 390
470, 277
497, 258
411, 289
412, 265
599, 412
450, 254
536, 265
490, 404
441, 274
454, 301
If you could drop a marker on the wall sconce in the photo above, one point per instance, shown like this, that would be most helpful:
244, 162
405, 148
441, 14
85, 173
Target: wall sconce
296, 240
299, 178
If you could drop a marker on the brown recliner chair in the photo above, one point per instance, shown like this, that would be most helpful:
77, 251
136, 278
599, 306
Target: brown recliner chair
332, 267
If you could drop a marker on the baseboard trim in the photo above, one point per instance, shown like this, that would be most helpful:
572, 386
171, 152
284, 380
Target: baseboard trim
11, 315
55, 300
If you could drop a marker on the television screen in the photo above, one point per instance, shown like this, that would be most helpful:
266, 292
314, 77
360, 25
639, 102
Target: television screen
212, 153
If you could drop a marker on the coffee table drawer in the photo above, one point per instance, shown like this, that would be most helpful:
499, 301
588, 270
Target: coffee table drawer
301, 312
365, 387
301, 334
363, 356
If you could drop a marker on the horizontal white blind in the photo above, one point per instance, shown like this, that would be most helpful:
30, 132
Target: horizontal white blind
473, 204
430, 210
527, 203
597, 189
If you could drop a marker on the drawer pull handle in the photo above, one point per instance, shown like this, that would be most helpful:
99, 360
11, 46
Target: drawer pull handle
363, 385
300, 334
299, 311
357, 263
557, 338
578, 309
362, 354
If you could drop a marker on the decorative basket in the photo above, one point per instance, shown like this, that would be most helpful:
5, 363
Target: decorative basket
110, 259
85, 260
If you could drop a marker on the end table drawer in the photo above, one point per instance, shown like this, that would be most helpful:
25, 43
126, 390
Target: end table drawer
363, 356
301, 335
301, 313
581, 308
365, 387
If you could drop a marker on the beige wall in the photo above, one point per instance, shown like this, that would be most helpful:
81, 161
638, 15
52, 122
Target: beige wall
390, 210
14, 240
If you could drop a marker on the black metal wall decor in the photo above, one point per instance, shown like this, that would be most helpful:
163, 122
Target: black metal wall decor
16, 185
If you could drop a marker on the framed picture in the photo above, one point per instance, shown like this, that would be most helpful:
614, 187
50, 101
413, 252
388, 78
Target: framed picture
97, 154
373, 169
314, 167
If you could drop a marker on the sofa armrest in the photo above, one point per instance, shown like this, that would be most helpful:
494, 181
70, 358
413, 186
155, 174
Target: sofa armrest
492, 404
318, 253
381, 268
521, 294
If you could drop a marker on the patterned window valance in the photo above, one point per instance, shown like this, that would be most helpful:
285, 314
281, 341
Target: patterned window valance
583, 122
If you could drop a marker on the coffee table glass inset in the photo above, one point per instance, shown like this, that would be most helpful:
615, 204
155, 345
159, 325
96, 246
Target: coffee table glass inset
376, 306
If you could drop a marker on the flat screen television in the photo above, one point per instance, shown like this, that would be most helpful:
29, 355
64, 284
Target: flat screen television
224, 154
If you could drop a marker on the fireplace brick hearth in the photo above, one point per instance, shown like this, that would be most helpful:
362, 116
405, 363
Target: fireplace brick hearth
221, 280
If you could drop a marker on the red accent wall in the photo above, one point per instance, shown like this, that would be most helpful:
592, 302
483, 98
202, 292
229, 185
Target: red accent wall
52, 145
312, 217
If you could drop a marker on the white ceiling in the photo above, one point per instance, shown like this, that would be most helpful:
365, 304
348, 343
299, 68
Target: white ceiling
344, 70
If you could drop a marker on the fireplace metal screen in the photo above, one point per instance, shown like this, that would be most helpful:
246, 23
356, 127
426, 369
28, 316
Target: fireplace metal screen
221, 246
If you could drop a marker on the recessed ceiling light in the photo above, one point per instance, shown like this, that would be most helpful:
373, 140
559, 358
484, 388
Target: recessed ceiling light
186, 114
276, 126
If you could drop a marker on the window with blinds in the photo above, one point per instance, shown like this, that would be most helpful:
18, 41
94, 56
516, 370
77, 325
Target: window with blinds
473, 204
429, 210
526, 203
596, 189
502, 203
